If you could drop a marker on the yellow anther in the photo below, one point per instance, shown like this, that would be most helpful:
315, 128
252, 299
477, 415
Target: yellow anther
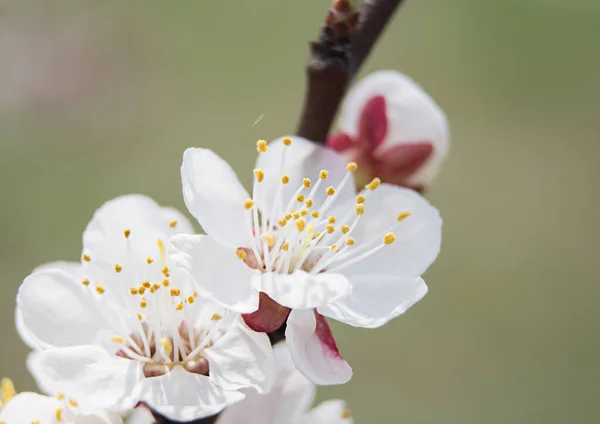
165, 271
117, 339
191, 299
86, 258
195, 294
318, 234
58, 414
345, 229
304, 212
288, 216
287, 141
300, 224
403, 215
249, 204
259, 174
166, 344
285, 247
360, 198
346, 414
330, 191
216, 317
323, 174
127, 233
146, 284
389, 238
352, 166
143, 303
179, 306
156, 286
295, 215
133, 290
149, 260
173, 223
331, 219
118, 268
285, 179
282, 222
268, 238
85, 282
241, 254
165, 283
152, 290
309, 202
359, 208
175, 291
139, 316
330, 228
8, 389
333, 247
100, 289
314, 214
373, 184
73, 403
35, 422
60, 396
350, 241
306, 182
300, 197
141, 290
261, 146
162, 250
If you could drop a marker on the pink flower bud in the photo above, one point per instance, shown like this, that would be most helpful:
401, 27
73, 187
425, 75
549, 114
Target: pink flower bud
393, 130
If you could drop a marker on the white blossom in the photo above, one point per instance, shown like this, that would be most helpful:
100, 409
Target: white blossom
122, 327
305, 242
288, 402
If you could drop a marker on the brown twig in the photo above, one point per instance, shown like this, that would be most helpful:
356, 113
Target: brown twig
345, 42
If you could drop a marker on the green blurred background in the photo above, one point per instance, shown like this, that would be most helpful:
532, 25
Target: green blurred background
99, 99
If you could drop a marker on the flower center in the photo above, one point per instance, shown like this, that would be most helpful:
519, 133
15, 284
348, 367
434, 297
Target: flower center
301, 235
153, 321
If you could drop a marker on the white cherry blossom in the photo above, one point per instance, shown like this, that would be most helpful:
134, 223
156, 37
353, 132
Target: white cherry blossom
393, 129
121, 327
33, 408
305, 242
288, 402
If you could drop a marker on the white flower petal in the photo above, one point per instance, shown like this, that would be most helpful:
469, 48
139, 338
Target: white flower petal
92, 374
376, 299
141, 415
217, 270
288, 399
418, 237
57, 311
329, 412
107, 245
27, 407
215, 196
87, 415
313, 349
183, 396
412, 116
302, 290
303, 159
242, 358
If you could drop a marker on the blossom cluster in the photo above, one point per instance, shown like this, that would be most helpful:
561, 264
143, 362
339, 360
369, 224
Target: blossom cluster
162, 321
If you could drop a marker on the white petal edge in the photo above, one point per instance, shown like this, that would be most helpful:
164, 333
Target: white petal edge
57, 311
329, 412
376, 299
183, 396
313, 358
215, 196
302, 290
27, 407
216, 270
92, 374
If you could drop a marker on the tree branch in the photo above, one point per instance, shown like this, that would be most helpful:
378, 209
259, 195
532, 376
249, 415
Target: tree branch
345, 42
